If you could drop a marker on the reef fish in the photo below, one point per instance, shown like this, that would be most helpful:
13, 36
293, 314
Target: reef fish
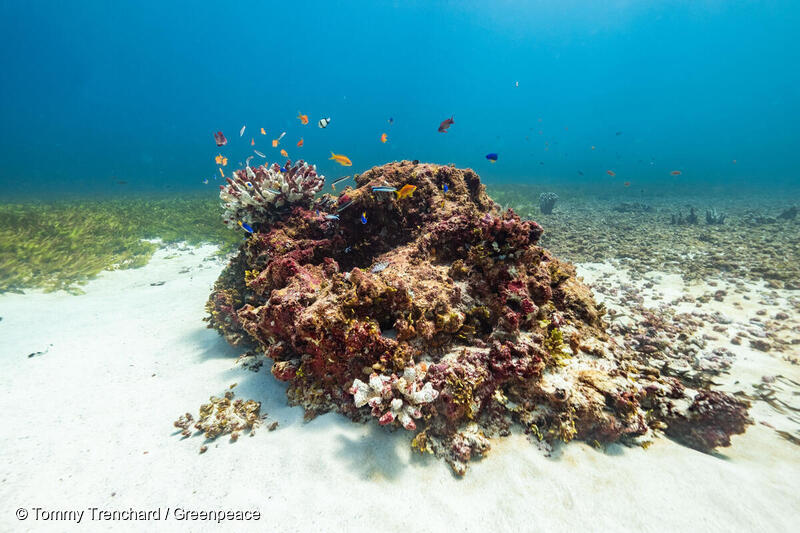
380, 267
241, 131
221, 160
263, 131
627, 183
341, 159
443, 127
303, 119
323, 123
492, 157
220, 138
445, 188
384, 138
284, 153
252, 142
273, 191
384, 189
364, 217
259, 154
300, 142
221, 173
245, 227
332, 217
406, 190
611, 173
333, 185
676, 172
391, 120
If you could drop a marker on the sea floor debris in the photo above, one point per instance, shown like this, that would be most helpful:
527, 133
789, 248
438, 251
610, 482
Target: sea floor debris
471, 329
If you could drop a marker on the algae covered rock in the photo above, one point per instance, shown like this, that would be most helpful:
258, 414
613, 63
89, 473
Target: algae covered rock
439, 313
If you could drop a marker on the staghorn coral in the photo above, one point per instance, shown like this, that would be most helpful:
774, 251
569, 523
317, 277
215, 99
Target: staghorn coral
260, 194
487, 329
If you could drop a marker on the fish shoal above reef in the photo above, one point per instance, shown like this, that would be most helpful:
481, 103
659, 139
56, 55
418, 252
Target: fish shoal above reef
471, 328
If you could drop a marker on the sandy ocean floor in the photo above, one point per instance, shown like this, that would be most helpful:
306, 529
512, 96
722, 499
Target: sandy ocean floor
87, 423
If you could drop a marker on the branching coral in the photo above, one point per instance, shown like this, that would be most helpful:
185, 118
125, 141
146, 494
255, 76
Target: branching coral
392, 398
260, 194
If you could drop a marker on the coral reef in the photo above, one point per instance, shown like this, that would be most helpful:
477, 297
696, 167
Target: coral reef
442, 315
547, 201
690, 220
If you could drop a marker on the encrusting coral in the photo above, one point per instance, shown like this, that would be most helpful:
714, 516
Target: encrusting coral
439, 313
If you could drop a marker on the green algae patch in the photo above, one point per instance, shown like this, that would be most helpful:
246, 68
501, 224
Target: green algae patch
61, 245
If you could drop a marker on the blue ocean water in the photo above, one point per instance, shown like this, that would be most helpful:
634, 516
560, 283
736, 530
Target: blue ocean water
98, 92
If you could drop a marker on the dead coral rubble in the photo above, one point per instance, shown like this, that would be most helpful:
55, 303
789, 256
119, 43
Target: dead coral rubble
467, 328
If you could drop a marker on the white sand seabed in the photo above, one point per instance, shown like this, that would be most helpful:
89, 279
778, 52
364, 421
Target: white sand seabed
89, 424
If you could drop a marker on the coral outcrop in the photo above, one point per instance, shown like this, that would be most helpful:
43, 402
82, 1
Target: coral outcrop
439, 313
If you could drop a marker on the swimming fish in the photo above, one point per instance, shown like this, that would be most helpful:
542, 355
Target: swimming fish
284, 169
443, 127
445, 188
248, 184
611, 173
284, 153
300, 142
379, 267
273, 191
303, 118
252, 142
332, 217
345, 206
241, 131
627, 183
406, 190
323, 123
580, 173
220, 138
384, 138
391, 120
676, 172
245, 227
333, 185
592, 147
364, 217
221, 160
734, 161
492, 157
384, 189
205, 181
247, 161
274, 143
221, 173
259, 154
263, 131
619, 133
341, 159
516, 84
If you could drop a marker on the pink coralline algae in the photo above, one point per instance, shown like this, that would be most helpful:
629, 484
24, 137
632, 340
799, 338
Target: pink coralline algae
258, 195
441, 315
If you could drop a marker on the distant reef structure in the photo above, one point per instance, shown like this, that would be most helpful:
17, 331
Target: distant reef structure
412, 298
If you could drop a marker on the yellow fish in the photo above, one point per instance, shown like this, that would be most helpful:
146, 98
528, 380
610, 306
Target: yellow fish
221, 160
341, 159
274, 143
407, 190
284, 153
303, 119
221, 173
384, 138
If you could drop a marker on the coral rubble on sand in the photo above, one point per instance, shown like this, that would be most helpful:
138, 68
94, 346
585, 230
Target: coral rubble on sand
467, 328
221, 416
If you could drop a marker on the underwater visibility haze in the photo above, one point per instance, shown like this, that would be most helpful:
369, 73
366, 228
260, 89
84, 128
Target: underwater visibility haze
544, 254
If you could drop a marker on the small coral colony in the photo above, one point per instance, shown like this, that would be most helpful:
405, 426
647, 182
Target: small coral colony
411, 297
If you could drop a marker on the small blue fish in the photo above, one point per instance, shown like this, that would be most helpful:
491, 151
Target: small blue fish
283, 169
492, 157
347, 250
445, 188
205, 181
249, 185
364, 217
317, 212
245, 227
332, 217
384, 189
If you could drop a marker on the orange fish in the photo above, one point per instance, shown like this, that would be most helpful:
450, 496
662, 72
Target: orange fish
263, 132
300, 142
284, 153
611, 173
341, 159
676, 172
221, 173
252, 142
406, 190
303, 119
274, 143
384, 138
221, 160
627, 183
592, 147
